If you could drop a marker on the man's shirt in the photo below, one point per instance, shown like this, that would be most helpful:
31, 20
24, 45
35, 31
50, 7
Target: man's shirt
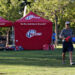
66, 32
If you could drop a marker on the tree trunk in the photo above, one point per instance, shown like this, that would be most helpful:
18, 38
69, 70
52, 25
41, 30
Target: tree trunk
7, 38
56, 29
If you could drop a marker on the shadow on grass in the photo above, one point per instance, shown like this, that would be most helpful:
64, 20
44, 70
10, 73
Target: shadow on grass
34, 58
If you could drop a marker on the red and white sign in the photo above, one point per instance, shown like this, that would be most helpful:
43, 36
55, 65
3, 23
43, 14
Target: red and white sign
31, 17
31, 33
33, 24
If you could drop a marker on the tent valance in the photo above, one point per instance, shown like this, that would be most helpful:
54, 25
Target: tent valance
5, 23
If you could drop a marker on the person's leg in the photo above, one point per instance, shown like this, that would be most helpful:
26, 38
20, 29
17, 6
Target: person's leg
63, 57
70, 56
70, 48
64, 52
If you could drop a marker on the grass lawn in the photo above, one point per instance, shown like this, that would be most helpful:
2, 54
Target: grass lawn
35, 63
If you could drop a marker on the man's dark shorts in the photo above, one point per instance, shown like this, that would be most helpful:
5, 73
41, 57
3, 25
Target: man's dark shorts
67, 46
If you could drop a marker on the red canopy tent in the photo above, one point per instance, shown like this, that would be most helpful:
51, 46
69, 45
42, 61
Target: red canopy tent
5, 23
32, 32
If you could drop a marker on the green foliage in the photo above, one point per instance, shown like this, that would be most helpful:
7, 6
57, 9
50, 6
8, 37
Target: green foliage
9, 9
65, 10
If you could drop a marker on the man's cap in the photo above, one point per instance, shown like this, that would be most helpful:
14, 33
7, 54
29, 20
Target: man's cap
67, 22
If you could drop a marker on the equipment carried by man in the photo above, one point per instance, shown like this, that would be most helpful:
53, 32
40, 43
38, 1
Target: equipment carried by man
68, 39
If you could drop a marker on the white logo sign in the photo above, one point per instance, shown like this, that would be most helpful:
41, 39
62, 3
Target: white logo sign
31, 16
32, 33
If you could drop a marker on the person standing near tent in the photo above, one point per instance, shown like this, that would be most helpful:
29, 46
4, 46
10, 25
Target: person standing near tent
53, 37
52, 46
66, 36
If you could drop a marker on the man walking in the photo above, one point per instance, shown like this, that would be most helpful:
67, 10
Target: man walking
66, 36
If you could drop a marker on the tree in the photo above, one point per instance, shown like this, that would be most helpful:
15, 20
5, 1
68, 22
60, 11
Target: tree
9, 9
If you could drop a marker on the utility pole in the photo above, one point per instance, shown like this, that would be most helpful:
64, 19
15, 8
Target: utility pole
25, 7
24, 14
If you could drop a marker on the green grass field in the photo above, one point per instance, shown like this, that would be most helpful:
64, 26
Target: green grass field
35, 63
